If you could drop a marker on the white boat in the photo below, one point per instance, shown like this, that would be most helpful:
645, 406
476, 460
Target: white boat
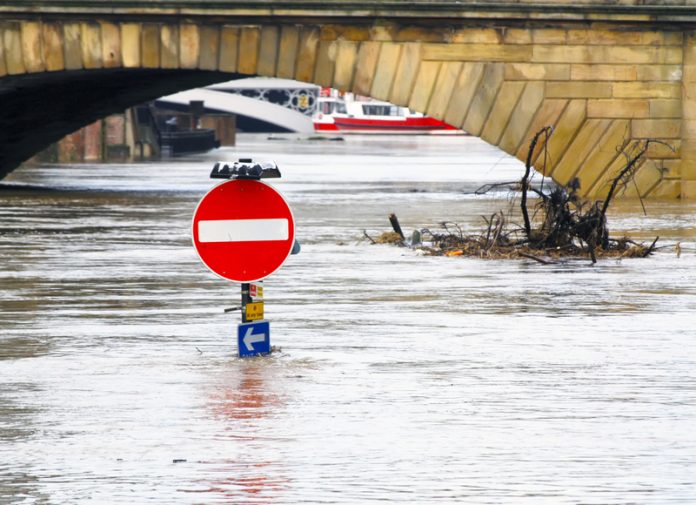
351, 114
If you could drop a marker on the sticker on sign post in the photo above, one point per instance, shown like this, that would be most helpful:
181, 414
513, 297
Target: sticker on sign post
254, 339
254, 311
256, 291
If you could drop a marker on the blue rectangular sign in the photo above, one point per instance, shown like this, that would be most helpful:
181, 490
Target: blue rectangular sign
254, 338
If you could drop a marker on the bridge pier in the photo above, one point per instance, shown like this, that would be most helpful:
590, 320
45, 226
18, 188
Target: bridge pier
688, 145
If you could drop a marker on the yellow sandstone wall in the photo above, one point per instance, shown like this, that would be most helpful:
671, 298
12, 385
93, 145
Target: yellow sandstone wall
688, 146
599, 86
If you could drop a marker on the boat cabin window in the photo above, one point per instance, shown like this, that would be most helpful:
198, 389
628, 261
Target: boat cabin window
380, 110
331, 107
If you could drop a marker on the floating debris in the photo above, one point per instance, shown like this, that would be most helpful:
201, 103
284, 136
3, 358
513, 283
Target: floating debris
562, 224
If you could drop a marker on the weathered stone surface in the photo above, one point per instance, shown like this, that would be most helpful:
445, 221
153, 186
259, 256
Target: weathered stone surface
383, 31
365, 67
463, 93
72, 46
549, 36
537, 71
411, 33
646, 179
111, 44
600, 189
580, 147
517, 36
476, 52
618, 108
229, 48
671, 169
385, 70
406, 73
600, 36
130, 44
656, 128
31, 47
150, 45
670, 148
580, 72
605, 54
348, 31
189, 45
561, 54
477, 36
52, 47
688, 169
505, 103
666, 189
502, 81
12, 42
578, 89
606, 150
646, 89
423, 88
659, 73
287, 52
483, 98
3, 67
688, 99
672, 38
249, 39
688, 189
522, 115
566, 128
548, 114
169, 46
268, 51
210, 47
326, 61
346, 55
307, 54
444, 86
665, 108
91, 39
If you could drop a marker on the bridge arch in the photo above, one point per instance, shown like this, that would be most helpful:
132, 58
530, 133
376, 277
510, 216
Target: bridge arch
599, 87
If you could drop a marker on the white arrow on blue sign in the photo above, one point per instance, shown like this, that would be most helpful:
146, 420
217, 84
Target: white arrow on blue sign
254, 338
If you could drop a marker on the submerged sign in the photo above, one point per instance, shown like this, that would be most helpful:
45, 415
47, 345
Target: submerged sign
243, 230
254, 338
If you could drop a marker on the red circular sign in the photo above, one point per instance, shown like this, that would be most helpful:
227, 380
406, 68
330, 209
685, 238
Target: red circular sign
243, 230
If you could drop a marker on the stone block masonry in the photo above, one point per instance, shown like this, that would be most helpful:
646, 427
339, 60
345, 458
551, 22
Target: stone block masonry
601, 83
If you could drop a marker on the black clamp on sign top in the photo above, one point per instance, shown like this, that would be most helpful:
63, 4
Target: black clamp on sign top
245, 168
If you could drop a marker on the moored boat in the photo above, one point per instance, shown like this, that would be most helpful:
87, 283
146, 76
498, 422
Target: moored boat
351, 114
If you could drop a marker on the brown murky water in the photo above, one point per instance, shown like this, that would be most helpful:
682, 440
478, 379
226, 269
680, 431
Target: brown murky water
401, 378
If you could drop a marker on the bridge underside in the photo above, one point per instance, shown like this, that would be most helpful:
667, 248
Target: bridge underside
602, 86
39, 109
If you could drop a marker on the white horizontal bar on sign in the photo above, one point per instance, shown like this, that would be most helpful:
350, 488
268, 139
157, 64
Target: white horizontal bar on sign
243, 230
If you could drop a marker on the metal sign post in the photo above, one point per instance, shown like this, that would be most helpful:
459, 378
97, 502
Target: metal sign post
252, 302
243, 230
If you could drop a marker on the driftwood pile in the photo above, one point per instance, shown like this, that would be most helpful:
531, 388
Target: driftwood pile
561, 223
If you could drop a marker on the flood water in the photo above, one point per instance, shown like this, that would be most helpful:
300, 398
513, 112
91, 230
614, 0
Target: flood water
400, 378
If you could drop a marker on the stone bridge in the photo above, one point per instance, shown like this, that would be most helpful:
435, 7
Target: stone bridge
603, 73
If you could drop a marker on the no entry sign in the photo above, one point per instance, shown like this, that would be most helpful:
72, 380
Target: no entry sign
243, 230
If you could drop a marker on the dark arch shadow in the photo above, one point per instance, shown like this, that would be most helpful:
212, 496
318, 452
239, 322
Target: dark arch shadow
40, 109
